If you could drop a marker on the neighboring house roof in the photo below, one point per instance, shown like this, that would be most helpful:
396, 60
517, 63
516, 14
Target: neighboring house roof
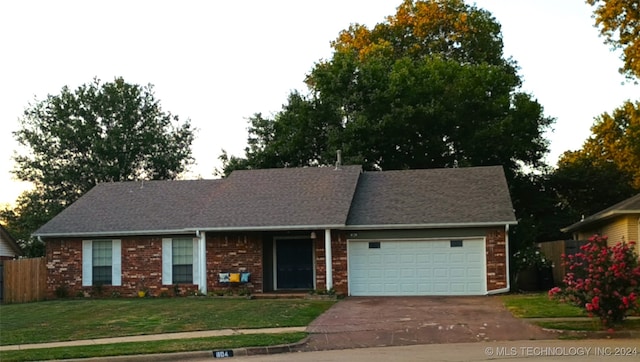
432, 198
8, 245
291, 199
625, 207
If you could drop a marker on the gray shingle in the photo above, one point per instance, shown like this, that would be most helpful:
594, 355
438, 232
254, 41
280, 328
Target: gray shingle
285, 197
276, 198
473, 195
133, 206
290, 198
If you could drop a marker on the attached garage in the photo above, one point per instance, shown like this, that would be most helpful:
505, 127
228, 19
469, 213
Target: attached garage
429, 232
391, 267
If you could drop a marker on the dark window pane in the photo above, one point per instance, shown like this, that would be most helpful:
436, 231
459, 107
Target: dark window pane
102, 275
101, 262
183, 274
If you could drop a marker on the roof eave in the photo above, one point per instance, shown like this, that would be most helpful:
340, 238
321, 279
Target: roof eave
272, 228
429, 226
596, 218
192, 230
113, 233
11, 241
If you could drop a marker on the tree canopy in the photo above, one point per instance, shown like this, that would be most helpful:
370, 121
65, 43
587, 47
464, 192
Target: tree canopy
99, 132
616, 139
428, 87
619, 23
607, 168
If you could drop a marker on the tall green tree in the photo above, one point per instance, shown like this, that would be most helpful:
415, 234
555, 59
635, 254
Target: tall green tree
429, 87
99, 132
607, 168
619, 23
616, 139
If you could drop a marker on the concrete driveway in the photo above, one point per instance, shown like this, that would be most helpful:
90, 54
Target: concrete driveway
395, 321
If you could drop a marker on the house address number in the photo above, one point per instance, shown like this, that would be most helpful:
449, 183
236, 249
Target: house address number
223, 354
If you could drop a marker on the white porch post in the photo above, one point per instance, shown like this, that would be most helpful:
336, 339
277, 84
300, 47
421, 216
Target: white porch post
203, 263
328, 258
506, 252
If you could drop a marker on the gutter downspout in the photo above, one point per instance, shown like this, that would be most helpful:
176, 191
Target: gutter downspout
328, 259
202, 260
506, 255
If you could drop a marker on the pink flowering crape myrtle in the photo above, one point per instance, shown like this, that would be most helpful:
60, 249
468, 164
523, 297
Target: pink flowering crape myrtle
603, 280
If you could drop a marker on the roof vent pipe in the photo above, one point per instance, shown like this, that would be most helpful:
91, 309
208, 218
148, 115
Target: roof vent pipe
339, 159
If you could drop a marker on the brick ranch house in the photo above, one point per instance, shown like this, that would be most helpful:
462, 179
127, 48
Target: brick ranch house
411, 232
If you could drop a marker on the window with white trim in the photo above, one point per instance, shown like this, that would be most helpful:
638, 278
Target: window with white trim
182, 260
102, 262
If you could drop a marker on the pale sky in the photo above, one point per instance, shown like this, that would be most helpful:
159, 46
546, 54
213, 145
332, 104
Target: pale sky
219, 62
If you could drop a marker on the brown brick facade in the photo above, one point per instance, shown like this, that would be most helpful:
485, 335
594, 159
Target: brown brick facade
339, 262
141, 260
142, 266
225, 253
64, 266
496, 259
233, 253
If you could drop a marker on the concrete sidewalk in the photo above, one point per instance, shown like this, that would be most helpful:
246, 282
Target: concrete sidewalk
153, 337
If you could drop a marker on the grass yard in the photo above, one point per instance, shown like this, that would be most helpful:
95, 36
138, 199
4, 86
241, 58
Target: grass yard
64, 320
591, 324
169, 346
557, 315
538, 305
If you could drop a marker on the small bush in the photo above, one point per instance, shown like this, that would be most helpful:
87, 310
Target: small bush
331, 291
97, 290
62, 292
531, 257
603, 280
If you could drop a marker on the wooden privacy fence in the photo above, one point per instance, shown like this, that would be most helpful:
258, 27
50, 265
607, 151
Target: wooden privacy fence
24, 280
553, 250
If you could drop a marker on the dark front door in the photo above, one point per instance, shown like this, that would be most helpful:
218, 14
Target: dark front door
294, 264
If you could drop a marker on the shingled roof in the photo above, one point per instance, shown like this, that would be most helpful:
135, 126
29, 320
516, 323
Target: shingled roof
144, 207
291, 199
628, 206
472, 196
282, 198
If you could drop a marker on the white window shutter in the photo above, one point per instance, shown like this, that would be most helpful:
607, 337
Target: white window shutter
167, 262
87, 263
116, 262
196, 261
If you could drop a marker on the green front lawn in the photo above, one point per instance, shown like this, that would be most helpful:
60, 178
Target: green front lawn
538, 305
169, 346
557, 315
64, 320
591, 324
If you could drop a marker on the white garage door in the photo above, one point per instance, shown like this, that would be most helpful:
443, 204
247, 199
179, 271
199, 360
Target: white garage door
425, 267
